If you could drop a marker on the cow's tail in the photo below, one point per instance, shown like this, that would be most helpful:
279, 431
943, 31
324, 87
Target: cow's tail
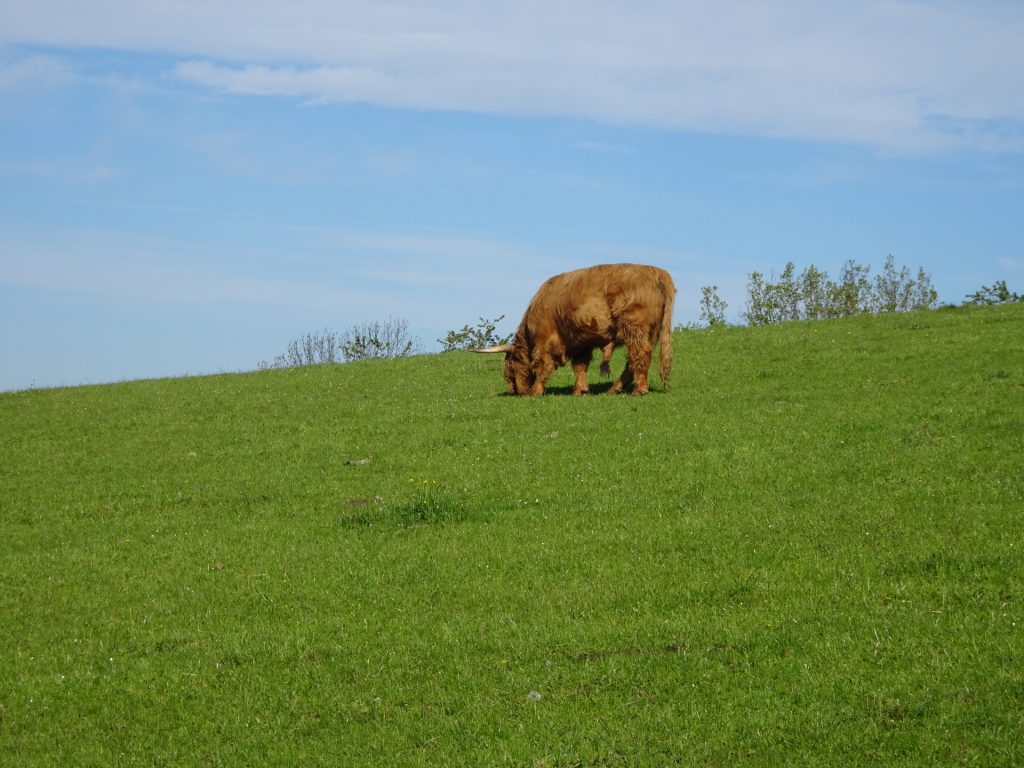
665, 354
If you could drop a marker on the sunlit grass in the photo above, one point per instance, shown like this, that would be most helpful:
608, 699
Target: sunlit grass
809, 551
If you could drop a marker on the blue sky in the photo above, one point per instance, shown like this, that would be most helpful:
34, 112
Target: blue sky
185, 187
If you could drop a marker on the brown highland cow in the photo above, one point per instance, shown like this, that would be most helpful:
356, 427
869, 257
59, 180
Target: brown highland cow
577, 312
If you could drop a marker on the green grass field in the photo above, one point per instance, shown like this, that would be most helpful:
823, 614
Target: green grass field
809, 552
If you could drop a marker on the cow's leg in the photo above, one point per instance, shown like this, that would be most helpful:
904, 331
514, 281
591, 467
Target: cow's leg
641, 363
580, 363
606, 358
624, 381
540, 377
543, 367
638, 359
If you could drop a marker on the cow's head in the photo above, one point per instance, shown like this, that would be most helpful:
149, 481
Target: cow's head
519, 375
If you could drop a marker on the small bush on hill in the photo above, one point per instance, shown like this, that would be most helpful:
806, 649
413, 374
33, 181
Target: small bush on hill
997, 293
363, 341
309, 349
900, 292
712, 306
377, 339
484, 334
814, 296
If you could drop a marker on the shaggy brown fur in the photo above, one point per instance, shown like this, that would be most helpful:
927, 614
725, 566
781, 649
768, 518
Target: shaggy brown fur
604, 306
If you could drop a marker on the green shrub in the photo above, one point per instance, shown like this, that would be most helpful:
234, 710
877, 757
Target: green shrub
997, 293
712, 306
377, 339
814, 296
483, 334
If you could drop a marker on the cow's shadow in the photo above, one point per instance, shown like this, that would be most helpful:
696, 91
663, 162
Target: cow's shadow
595, 389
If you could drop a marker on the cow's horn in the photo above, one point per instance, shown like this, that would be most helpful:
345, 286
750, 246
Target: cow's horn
493, 350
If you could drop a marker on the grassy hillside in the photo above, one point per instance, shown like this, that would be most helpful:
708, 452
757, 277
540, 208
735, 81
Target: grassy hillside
810, 551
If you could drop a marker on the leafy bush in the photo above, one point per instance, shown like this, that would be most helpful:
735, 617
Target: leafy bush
378, 339
853, 294
997, 293
814, 296
712, 306
484, 334
899, 292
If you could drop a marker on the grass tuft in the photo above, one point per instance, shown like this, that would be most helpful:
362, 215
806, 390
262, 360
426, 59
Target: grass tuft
426, 505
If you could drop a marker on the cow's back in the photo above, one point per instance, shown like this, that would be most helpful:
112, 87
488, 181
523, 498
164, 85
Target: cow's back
586, 306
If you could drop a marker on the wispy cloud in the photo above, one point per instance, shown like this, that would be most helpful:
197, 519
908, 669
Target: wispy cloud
891, 73
426, 245
150, 277
81, 172
34, 71
352, 269
602, 147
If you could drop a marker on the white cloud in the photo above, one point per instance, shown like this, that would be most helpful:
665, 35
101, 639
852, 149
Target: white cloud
892, 73
32, 71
